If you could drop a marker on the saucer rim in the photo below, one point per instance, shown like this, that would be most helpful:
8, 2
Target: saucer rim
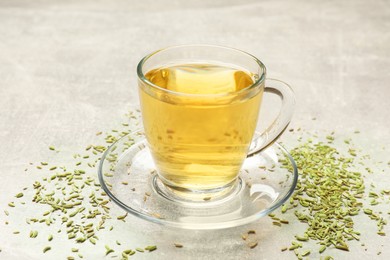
197, 226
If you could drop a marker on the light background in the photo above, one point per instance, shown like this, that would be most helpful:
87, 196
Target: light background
67, 70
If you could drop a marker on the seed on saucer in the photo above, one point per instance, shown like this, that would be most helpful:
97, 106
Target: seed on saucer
206, 198
276, 223
157, 215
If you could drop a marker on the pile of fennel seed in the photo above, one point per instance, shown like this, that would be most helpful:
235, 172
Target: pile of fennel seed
329, 193
68, 203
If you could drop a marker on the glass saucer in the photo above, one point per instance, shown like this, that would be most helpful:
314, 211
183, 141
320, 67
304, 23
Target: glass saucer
128, 176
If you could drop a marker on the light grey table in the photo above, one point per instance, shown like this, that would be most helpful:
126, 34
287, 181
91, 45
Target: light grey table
67, 71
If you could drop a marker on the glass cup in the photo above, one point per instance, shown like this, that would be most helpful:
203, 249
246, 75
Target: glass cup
200, 106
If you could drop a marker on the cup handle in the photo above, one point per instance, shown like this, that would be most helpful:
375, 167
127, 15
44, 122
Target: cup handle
271, 134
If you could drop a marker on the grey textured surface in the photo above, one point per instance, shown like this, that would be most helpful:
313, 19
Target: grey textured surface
67, 70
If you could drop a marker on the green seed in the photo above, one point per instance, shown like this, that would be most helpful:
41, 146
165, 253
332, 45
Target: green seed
151, 248
11, 204
276, 223
52, 148
300, 238
33, 234
367, 211
108, 250
19, 195
50, 238
322, 249
80, 240
342, 247
46, 249
122, 217
127, 251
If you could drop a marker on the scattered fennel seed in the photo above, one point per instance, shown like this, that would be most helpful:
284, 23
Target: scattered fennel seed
46, 249
109, 250
150, 248
73, 195
33, 234
122, 217
328, 194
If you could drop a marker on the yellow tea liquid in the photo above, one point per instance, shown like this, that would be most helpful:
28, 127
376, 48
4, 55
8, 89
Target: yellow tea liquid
199, 143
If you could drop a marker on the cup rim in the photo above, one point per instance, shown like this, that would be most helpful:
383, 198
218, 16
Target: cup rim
142, 77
